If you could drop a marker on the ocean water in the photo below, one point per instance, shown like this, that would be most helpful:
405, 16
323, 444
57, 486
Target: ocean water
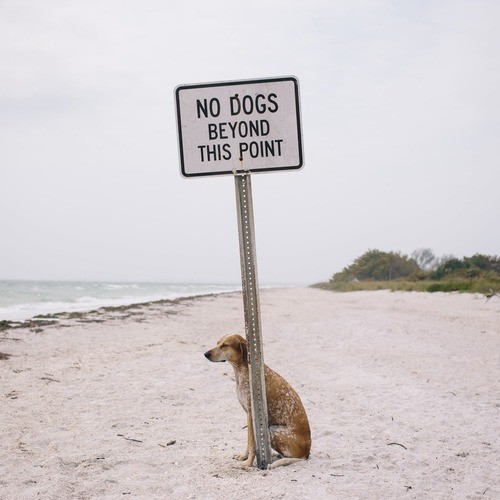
21, 300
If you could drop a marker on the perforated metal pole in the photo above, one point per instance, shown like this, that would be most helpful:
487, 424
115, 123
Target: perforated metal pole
252, 318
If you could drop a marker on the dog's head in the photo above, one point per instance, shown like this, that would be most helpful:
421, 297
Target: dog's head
232, 348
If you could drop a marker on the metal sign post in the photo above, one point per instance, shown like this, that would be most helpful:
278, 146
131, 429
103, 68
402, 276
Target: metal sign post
240, 127
251, 306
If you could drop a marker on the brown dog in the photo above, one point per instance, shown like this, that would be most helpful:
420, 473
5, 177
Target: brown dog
288, 424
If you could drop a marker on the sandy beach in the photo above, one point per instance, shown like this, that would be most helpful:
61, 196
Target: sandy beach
402, 392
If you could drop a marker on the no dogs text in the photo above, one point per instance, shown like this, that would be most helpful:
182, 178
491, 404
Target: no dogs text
249, 137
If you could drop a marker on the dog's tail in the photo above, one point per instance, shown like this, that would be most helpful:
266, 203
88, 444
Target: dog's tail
284, 461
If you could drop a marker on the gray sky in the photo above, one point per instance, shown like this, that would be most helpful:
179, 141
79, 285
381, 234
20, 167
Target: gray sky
400, 111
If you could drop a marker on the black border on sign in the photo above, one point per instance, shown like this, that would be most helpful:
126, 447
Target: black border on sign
240, 82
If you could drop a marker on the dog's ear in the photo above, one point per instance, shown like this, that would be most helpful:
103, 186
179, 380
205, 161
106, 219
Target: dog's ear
244, 350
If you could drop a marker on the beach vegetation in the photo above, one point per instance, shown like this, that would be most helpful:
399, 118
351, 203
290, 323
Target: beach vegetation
378, 266
420, 271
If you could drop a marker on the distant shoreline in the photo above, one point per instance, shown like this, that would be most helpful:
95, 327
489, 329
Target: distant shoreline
90, 316
124, 311
24, 300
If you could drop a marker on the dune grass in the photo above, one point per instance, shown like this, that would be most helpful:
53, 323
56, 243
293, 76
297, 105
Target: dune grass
486, 287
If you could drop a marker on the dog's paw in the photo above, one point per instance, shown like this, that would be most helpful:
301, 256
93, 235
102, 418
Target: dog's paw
241, 456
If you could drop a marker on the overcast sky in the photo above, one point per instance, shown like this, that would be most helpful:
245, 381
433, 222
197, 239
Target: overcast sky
401, 124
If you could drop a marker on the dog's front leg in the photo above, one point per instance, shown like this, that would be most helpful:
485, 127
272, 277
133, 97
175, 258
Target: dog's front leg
242, 456
249, 456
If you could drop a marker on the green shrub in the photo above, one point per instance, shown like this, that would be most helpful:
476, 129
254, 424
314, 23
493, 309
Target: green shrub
450, 286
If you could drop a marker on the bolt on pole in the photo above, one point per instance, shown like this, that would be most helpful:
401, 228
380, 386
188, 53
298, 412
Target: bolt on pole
251, 306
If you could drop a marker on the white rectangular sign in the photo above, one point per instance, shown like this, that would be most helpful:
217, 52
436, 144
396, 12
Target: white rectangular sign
239, 126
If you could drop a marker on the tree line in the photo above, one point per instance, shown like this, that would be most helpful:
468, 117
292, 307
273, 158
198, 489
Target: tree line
421, 270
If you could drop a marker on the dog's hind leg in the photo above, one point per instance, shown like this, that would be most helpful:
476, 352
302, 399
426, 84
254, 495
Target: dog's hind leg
289, 444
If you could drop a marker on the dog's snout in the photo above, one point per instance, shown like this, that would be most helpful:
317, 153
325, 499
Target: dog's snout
207, 355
